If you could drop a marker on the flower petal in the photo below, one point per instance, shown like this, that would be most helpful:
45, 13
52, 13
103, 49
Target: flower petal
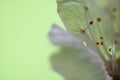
61, 37
76, 15
57, 36
75, 61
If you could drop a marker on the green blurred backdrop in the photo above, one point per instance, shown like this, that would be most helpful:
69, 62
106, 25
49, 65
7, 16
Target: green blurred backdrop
24, 45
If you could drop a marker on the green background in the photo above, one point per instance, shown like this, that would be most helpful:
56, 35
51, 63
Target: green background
25, 49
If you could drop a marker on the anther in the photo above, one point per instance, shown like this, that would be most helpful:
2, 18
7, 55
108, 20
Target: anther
101, 37
86, 8
99, 19
114, 9
97, 43
109, 49
91, 22
82, 31
101, 43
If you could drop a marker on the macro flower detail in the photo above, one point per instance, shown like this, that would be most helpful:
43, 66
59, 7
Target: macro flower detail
90, 45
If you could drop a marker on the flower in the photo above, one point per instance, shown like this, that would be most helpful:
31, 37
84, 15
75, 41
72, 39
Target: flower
90, 47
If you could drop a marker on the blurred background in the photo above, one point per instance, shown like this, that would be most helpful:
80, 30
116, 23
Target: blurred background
25, 49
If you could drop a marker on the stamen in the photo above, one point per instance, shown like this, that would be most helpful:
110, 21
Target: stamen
84, 30
97, 43
114, 17
101, 37
114, 57
87, 15
98, 25
116, 45
110, 49
105, 49
91, 22
101, 43
91, 32
99, 19
86, 8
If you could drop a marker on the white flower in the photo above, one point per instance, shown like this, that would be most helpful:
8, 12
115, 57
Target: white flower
91, 46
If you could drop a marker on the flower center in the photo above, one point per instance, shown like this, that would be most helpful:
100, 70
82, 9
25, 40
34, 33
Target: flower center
115, 75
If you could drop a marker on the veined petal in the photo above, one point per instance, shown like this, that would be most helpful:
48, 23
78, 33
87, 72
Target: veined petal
75, 61
77, 15
57, 36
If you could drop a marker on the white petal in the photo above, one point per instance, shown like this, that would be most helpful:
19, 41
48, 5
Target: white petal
75, 61
63, 38
79, 64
